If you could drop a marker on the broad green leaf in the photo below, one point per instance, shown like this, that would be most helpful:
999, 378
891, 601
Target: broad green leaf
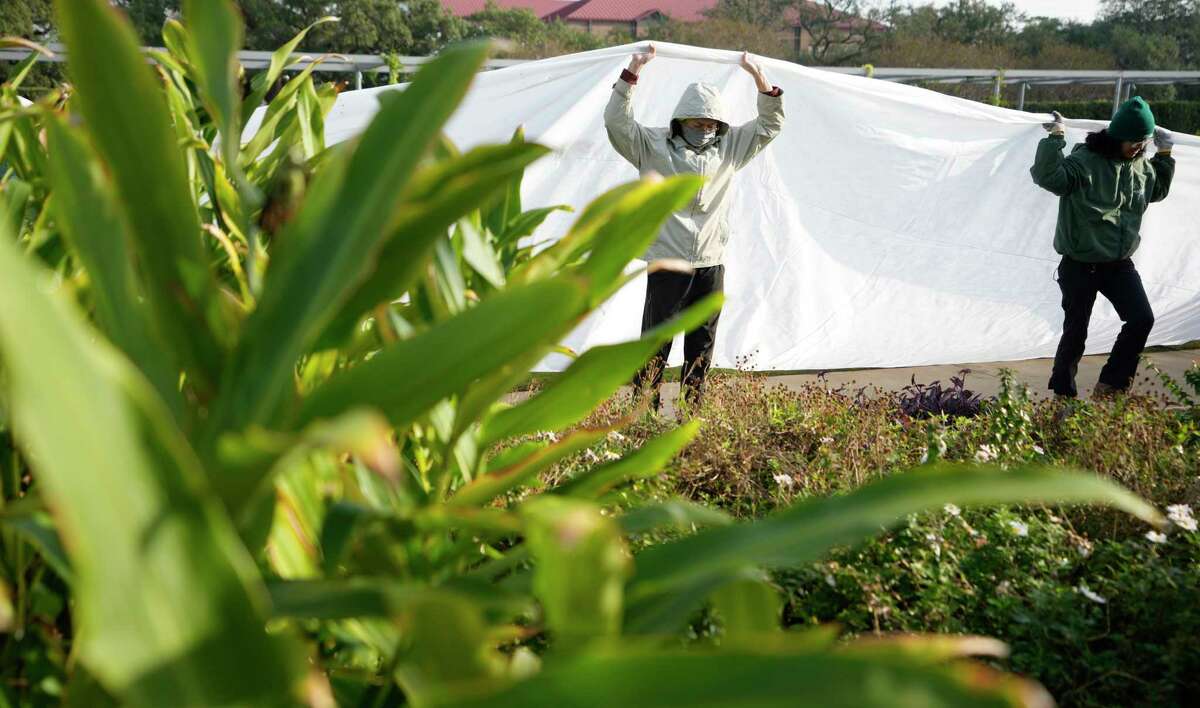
331, 252
479, 254
631, 227
594, 377
634, 677
36, 527
280, 60
806, 531
215, 35
497, 218
526, 223
135, 138
86, 212
516, 472
578, 239
439, 195
580, 567
677, 514
169, 608
749, 606
647, 461
407, 378
375, 597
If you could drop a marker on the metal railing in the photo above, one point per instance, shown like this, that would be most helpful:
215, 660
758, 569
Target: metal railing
1123, 82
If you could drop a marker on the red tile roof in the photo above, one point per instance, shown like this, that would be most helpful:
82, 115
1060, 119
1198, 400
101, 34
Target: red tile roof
630, 10
544, 9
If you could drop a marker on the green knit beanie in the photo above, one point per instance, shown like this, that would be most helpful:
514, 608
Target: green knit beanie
1133, 121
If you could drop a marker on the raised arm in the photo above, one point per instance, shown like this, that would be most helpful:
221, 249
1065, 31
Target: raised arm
1051, 170
1163, 165
749, 139
630, 139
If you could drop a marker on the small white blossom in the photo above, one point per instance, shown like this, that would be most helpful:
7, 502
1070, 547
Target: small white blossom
830, 581
1084, 547
827, 440
1181, 516
1156, 537
1090, 594
610, 455
925, 457
1018, 528
951, 509
985, 453
785, 481
547, 436
590, 455
616, 437
1038, 449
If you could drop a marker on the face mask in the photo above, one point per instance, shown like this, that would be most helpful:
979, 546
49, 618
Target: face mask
698, 138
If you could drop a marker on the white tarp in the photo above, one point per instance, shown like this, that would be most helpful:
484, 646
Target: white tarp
887, 226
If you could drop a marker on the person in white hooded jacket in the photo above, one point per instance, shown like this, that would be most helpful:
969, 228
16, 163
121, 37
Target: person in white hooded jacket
699, 140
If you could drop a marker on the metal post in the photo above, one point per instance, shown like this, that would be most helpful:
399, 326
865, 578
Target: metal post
1117, 94
1021, 95
996, 91
357, 80
1129, 89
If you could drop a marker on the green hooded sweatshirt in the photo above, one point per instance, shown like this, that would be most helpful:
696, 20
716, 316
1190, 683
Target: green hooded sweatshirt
1102, 198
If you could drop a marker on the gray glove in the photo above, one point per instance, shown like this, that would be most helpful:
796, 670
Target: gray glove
1163, 140
1058, 127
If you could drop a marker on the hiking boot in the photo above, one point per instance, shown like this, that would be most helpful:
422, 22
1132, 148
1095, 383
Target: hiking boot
1104, 392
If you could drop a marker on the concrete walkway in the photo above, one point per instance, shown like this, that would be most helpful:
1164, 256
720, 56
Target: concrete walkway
984, 378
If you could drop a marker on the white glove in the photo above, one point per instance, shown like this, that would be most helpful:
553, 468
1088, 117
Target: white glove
1058, 127
1163, 140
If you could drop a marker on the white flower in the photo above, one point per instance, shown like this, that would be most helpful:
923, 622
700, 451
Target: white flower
1089, 594
547, 435
951, 510
827, 440
784, 480
590, 455
1181, 516
610, 455
1156, 537
616, 437
1018, 528
1038, 449
986, 453
1084, 547
925, 456
830, 581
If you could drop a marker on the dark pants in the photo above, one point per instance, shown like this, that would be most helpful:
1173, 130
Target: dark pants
668, 294
1120, 283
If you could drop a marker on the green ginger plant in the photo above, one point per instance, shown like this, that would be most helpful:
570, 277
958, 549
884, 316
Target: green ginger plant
293, 485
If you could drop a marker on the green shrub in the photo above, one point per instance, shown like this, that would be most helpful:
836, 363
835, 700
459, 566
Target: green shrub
1180, 116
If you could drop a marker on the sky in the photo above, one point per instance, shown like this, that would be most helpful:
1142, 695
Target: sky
1085, 10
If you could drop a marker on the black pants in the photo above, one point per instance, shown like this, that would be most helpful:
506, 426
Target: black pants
667, 294
1120, 283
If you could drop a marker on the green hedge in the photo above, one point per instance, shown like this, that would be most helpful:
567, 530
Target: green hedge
1179, 116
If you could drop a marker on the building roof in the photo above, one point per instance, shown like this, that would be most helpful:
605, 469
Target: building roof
544, 9
630, 10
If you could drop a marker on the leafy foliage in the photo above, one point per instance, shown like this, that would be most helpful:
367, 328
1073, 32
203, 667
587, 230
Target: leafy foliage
257, 434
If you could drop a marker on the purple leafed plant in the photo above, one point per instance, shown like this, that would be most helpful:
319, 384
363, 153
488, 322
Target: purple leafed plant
927, 400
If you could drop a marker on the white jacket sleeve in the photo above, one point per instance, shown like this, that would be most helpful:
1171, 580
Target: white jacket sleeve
751, 138
630, 139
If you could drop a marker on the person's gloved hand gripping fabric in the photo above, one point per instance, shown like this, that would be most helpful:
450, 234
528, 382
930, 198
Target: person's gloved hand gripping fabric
1104, 187
697, 140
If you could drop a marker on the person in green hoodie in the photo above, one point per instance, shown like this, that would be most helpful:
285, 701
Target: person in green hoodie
1104, 187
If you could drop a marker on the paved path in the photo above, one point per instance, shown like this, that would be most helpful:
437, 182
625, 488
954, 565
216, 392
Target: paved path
985, 379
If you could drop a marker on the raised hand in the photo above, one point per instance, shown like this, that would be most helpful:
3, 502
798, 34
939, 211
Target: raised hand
1056, 127
1163, 140
641, 59
756, 71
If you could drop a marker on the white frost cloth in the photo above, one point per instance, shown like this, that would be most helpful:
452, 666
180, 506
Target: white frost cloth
887, 226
